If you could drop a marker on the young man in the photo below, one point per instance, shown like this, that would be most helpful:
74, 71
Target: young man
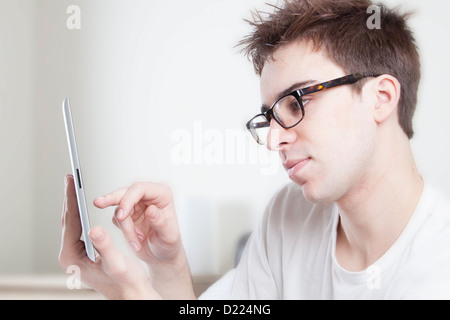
358, 221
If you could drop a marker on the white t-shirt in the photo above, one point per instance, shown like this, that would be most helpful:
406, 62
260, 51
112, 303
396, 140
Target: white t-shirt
291, 255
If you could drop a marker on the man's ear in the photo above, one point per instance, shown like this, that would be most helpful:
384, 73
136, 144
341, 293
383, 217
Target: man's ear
388, 90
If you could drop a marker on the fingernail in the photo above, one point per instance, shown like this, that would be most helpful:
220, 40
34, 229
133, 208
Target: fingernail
134, 246
141, 237
117, 222
120, 214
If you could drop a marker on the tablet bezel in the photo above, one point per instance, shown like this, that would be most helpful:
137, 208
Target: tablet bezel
78, 180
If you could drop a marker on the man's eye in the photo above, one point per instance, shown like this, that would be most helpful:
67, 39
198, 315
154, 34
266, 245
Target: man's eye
294, 106
305, 102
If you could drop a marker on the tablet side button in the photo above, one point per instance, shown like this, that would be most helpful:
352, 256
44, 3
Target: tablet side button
78, 178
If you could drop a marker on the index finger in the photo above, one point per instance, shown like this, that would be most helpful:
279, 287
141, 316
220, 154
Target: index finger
110, 199
127, 198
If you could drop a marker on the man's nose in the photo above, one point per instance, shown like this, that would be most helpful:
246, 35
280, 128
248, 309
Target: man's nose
279, 137
274, 136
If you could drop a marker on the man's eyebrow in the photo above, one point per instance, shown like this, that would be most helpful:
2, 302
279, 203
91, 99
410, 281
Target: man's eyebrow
295, 86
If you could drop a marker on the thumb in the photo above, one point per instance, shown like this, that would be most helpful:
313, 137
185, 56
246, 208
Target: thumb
112, 260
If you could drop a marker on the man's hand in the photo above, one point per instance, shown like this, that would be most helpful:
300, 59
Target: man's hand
146, 215
113, 275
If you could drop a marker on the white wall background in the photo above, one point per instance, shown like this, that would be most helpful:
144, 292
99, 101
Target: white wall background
146, 78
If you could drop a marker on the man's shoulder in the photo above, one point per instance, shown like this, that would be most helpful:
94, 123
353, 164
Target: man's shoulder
426, 269
439, 203
426, 272
436, 210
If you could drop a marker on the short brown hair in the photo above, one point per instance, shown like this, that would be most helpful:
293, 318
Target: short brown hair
339, 27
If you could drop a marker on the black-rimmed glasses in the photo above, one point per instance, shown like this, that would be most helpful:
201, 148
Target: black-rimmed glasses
288, 111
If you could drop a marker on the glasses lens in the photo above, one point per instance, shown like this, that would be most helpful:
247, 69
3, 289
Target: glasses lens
259, 128
288, 111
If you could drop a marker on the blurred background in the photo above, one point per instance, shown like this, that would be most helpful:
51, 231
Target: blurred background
159, 92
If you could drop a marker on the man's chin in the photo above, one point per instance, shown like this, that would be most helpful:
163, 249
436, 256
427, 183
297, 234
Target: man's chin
298, 181
314, 195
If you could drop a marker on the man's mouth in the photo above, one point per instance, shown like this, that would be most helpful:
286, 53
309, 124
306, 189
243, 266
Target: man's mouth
294, 166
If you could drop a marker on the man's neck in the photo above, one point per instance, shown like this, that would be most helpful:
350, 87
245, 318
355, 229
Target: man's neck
375, 212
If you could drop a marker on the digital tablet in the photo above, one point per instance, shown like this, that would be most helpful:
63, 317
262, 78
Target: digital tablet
78, 181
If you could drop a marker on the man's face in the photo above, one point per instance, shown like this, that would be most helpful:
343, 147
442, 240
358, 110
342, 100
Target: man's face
331, 150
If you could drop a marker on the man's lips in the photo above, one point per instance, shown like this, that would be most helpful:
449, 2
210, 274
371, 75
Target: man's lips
292, 167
